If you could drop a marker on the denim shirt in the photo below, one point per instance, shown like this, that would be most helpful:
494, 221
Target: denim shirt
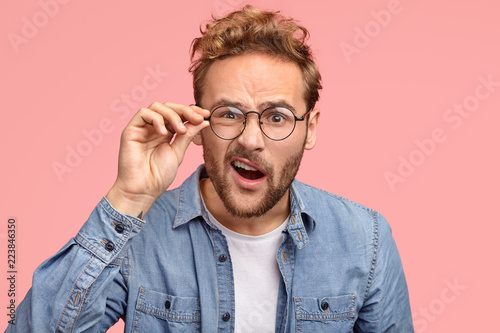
340, 269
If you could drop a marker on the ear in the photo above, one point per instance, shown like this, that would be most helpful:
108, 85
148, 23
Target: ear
312, 129
197, 139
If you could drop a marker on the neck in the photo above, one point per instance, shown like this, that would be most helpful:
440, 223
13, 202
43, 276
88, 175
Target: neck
254, 226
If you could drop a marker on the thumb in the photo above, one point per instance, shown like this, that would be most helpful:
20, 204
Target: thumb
181, 141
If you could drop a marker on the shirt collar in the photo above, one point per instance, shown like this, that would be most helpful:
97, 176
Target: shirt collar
190, 206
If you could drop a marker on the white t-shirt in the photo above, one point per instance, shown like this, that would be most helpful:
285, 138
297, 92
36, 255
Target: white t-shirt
256, 277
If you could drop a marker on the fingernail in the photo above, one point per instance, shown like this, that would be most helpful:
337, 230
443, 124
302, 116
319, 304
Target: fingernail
181, 125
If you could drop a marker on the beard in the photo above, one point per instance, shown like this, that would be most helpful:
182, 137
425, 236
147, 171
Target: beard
278, 181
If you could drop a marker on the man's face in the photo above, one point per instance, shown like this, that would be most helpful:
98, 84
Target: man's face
252, 173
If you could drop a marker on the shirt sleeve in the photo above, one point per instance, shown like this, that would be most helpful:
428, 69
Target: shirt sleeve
387, 304
82, 287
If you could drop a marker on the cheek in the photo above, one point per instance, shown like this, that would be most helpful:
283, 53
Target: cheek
208, 139
214, 146
280, 153
293, 144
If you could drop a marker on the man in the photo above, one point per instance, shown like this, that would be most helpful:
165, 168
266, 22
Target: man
240, 246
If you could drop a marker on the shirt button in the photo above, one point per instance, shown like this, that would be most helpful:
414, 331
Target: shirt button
167, 304
119, 228
226, 316
324, 305
109, 246
222, 258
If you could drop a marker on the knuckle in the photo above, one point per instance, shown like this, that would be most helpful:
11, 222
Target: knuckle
155, 104
171, 106
126, 133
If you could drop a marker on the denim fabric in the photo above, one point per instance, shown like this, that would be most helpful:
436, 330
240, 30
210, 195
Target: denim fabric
341, 271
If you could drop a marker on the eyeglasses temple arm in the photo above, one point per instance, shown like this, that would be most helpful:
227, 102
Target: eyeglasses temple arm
303, 117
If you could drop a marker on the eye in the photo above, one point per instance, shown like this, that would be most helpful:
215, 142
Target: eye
228, 113
277, 116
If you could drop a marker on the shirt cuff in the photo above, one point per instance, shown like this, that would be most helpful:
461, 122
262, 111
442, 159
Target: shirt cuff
107, 231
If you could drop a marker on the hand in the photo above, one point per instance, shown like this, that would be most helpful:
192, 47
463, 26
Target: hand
150, 155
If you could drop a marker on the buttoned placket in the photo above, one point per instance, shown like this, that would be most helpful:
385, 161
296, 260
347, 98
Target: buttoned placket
225, 281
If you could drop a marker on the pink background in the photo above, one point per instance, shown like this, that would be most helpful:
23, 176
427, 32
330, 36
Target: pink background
67, 74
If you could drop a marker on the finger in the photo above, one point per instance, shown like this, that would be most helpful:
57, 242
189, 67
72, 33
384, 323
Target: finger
181, 142
148, 117
173, 118
170, 129
204, 112
192, 113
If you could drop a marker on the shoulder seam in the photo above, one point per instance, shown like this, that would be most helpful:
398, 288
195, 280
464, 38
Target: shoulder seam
340, 198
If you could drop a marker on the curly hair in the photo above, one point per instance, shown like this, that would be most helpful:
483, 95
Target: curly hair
254, 30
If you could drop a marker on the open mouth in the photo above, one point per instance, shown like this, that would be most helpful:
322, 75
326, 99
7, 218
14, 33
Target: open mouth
246, 171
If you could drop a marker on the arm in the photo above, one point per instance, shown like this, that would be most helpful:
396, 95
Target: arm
387, 305
83, 287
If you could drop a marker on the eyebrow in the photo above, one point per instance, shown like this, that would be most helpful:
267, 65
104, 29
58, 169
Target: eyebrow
260, 107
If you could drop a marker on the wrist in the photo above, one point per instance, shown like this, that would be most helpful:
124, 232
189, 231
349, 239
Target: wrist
130, 204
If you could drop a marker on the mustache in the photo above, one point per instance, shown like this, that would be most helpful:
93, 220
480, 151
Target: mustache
253, 157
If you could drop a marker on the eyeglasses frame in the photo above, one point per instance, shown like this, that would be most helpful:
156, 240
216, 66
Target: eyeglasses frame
260, 123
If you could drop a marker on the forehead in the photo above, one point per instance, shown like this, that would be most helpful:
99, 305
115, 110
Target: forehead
253, 80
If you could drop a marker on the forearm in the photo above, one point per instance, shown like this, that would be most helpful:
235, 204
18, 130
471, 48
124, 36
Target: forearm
73, 288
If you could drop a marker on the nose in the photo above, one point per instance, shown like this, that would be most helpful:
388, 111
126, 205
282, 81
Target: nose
252, 137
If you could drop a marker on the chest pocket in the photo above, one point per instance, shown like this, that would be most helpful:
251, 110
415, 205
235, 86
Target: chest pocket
327, 314
159, 312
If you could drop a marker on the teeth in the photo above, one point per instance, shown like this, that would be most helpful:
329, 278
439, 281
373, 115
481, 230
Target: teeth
242, 165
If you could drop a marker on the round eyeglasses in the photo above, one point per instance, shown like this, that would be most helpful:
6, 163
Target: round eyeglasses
276, 122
